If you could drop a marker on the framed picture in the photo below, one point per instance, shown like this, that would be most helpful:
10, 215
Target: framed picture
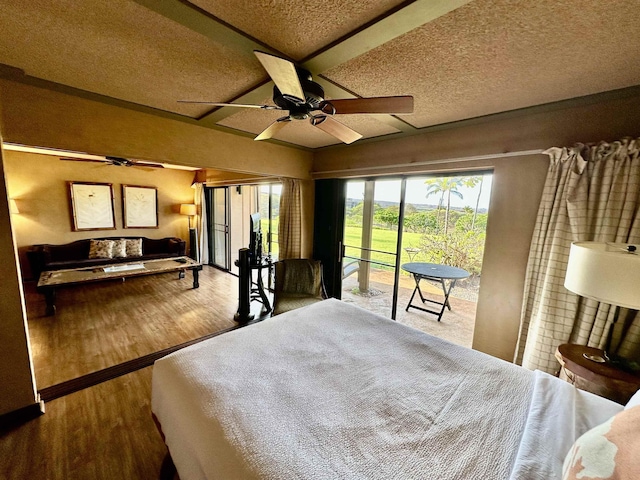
92, 206
139, 206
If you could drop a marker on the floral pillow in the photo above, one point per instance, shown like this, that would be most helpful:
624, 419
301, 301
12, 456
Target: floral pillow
120, 248
134, 247
101, 249
608, 451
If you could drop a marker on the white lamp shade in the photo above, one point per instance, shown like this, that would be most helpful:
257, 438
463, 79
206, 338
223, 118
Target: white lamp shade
605, 272
188, 209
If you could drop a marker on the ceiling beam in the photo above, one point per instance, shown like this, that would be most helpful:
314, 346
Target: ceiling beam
380, 32
202, 22
372, 36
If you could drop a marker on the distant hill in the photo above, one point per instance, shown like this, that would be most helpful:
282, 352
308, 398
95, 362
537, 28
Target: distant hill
352, 202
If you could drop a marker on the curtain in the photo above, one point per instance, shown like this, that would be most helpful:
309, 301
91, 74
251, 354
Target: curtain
592, 193
290, 220
202, 239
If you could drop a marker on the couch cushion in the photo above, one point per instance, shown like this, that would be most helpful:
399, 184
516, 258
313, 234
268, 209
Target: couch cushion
101, 249
119, 248
134, 247
77, 250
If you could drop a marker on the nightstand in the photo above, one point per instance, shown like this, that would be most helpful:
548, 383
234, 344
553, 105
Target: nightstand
604, 379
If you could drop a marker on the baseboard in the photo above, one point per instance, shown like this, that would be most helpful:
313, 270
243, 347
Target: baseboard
22, 415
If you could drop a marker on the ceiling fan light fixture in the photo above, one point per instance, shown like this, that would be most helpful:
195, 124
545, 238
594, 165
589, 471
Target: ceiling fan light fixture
296, 92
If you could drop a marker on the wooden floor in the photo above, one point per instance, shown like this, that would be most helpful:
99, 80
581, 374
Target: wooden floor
106, 431
103, 324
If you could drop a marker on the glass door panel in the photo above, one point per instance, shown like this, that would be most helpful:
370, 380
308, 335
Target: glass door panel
371, 244
220, 225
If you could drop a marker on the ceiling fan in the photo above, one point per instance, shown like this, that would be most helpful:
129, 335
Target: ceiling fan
296, 92
117, 161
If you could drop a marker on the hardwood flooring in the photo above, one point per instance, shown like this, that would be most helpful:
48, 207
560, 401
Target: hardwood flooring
104, 433
100, 325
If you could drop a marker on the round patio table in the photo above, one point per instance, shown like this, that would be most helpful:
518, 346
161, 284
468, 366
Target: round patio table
437, 273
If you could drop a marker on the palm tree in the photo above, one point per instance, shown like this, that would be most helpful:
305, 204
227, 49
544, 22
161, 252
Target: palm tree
471, 182
446, 186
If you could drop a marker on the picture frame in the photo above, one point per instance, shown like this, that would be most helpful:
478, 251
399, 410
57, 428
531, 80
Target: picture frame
139, 206
91, 206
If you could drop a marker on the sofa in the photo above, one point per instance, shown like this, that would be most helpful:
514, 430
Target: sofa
76, 254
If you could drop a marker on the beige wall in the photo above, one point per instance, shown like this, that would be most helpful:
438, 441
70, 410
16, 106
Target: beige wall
44, 118
517, 187
38, 183
16, 369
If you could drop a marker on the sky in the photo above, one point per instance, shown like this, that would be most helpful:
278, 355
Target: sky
389, 190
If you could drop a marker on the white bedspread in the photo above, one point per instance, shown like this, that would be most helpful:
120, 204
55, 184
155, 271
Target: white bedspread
559, 414
334, 392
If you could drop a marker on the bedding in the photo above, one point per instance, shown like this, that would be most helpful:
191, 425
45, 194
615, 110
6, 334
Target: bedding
333, 391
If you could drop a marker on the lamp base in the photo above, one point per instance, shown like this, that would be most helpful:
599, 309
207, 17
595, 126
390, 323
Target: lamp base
193, 246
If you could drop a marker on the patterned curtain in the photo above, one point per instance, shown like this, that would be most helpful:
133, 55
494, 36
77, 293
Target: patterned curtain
592, 193
290, 222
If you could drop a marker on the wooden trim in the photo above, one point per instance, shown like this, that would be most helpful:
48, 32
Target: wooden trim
22, 415
91, 379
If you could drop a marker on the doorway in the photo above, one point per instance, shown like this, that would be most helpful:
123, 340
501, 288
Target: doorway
429, 219
219, 217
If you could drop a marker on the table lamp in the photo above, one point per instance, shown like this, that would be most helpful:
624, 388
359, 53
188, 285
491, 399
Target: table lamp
606, 272
188, 209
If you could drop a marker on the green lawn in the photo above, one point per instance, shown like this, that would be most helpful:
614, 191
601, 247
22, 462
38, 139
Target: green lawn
383, 240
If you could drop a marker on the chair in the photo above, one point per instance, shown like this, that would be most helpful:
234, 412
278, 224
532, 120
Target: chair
298, 282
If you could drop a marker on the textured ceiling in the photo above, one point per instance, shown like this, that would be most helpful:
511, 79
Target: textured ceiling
297, 28
460, 59
495, 55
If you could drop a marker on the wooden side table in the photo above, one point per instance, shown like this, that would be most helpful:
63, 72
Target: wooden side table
604, 379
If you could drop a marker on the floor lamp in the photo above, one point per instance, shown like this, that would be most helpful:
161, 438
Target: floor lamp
190, 210
608, 273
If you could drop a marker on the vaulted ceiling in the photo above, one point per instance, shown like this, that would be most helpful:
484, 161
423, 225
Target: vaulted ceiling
460, 59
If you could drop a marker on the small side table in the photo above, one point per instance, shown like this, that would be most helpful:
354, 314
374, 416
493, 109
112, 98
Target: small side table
604, 379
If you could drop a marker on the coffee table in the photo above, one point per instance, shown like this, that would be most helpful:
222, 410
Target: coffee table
50, 280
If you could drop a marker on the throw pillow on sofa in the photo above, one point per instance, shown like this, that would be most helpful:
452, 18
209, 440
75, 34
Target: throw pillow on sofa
120, 248
134, 247
101, 249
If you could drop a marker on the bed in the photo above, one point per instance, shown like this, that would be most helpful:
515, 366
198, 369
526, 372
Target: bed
333, 391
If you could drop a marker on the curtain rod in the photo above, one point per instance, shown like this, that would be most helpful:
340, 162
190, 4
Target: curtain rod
521, 153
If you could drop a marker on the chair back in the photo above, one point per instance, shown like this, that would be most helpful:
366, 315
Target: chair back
300, 276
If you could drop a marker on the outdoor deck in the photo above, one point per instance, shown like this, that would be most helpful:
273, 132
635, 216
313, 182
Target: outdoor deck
456, 325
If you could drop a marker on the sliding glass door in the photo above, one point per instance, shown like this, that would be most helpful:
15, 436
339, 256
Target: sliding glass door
219, 245
427, 219
371, 244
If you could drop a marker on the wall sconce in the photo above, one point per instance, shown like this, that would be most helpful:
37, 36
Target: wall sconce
13, 206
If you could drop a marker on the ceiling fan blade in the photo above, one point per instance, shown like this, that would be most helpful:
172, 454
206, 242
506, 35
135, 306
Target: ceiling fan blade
284, 75
147, 165
69, 159
274, 128
241, 105
335, 128
372, 105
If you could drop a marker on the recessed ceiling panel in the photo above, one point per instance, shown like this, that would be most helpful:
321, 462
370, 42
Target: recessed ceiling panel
297, 28
496, 55
122, 50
